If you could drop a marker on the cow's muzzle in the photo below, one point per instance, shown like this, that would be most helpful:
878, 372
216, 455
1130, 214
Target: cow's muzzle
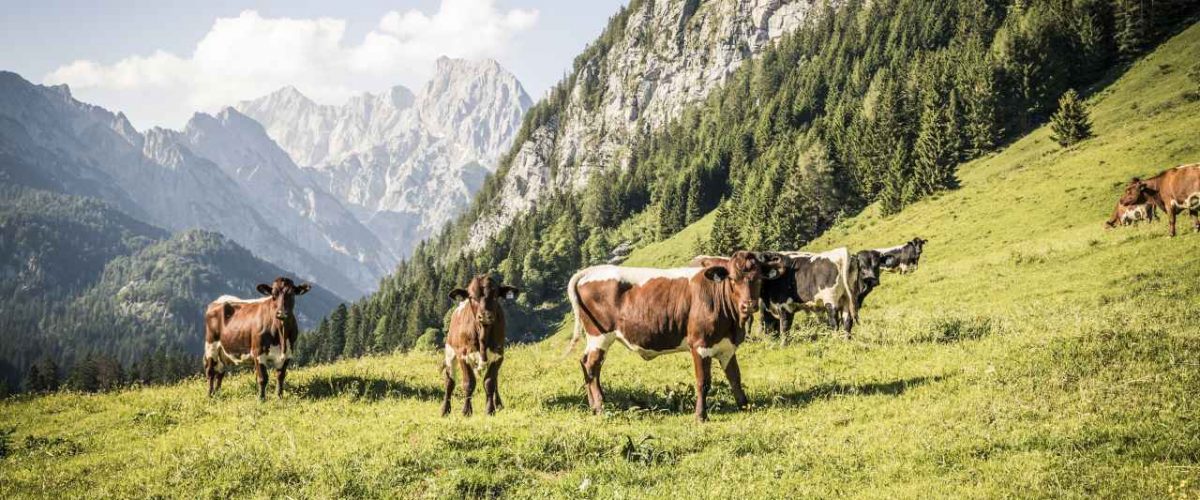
871, 281
748, 308
281, 315
484, 319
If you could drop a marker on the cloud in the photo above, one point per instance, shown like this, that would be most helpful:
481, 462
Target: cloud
247, 56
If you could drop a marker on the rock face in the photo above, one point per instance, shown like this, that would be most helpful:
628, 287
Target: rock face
670, 54
51, 141
403, 163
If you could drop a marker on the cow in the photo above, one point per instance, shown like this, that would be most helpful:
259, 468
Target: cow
701, 310
261, 332
869, 262
1127, 216
828, 282
1172, 191
902, 258
475, 340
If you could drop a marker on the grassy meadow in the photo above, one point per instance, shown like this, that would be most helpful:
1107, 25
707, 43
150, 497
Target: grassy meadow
1034, 354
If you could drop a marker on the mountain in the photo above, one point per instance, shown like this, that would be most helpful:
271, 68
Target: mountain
79, 277
404, 163
654, 60
52, 141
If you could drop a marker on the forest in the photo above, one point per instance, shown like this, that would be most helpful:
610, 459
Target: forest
870, 103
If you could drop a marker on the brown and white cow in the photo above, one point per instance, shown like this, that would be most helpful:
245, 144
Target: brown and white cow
261, 332
475, 340
1130, 215
701, 310
1171, 191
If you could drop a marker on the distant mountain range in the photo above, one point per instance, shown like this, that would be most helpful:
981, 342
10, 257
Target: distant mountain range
114, 238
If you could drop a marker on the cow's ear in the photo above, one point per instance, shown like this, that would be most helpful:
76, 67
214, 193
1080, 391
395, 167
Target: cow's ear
774, 264
264, 289
716, 273
303, 288
509, 292
458, 294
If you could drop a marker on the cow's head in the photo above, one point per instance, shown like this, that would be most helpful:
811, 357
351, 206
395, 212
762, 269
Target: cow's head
743, 273
1137, 192
483, 295
868, 267
283, 293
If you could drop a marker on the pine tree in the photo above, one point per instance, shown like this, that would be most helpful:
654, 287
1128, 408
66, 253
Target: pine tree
694, 208
1131, 26
379, 337
1070, 124
723, 239
937, 148
337, 333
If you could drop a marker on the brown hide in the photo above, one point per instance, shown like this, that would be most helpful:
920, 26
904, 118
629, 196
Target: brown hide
1171, 191
475, 340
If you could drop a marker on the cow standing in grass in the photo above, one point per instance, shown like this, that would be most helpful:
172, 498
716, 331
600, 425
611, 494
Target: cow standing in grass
1171, 191
261, 331
869, 263
701, 310
827, 282
902, 258
1127, 216
475, 341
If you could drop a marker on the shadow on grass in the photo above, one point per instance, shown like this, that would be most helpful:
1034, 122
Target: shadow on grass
835, 389
366, 388
681, 398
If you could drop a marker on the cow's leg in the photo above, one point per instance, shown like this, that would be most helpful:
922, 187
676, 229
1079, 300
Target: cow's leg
468, 385
220, 378
448, 377
279, 376
489, 387
210, 372
733, 373
1195, 212
1171, 213
833, 316
785, 324
260, 369
496, 393
847, 322
703, 365
593, 360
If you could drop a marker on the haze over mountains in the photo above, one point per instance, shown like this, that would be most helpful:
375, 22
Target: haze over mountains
404, 163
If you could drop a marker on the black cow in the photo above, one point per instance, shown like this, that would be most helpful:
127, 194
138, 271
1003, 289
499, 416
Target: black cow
902, 258
817, 282
869, 262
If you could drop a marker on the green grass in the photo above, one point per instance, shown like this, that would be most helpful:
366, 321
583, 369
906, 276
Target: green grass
1033, 354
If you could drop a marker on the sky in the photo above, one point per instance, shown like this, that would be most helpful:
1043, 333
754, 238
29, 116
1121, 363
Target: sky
161, 61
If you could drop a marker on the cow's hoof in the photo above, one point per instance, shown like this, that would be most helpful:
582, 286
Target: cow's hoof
701, 419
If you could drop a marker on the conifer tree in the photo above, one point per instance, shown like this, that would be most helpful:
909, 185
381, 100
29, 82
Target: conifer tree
1070, 124
937, 147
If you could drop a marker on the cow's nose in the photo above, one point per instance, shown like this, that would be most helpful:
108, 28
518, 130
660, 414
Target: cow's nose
749, 307
281, 315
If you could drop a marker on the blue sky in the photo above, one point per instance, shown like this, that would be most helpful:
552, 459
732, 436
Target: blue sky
161, 61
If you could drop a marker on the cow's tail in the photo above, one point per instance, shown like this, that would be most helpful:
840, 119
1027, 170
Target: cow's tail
576, 311
848, 270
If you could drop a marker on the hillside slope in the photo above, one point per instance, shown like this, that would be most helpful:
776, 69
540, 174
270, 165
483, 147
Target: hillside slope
1033, 355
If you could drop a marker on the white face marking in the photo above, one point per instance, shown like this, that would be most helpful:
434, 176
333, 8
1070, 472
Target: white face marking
461, 305
635, 275
723, 351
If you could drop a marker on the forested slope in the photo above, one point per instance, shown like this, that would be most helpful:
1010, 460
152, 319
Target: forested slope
867, 103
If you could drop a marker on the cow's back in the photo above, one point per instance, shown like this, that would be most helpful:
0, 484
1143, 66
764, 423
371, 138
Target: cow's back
649, 307
1182, 185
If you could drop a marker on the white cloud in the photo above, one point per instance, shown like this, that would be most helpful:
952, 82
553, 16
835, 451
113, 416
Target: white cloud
249, 55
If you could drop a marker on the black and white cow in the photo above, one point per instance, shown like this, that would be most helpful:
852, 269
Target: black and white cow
827, 282
869, 262
902, 258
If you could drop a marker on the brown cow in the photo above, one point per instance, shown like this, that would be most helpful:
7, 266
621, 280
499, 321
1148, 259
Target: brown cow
261, 331
475, 341
1172, 191
1128, 216
702, 310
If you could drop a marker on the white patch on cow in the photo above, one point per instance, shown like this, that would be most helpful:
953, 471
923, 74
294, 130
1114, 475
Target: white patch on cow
890, 249
238, 300
723, 351
449, 360
477, 363
635, 275
648, 354
274, 358
461, 305
1191, 202
599, 342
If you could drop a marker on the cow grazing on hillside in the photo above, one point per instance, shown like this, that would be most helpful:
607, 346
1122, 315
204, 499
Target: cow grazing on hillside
1171, 191
869, 262
701, 310
1127, 216
902, 258
475, 340
828, 282
261, 331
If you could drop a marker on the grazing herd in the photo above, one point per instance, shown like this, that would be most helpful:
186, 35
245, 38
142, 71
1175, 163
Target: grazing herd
704, 309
